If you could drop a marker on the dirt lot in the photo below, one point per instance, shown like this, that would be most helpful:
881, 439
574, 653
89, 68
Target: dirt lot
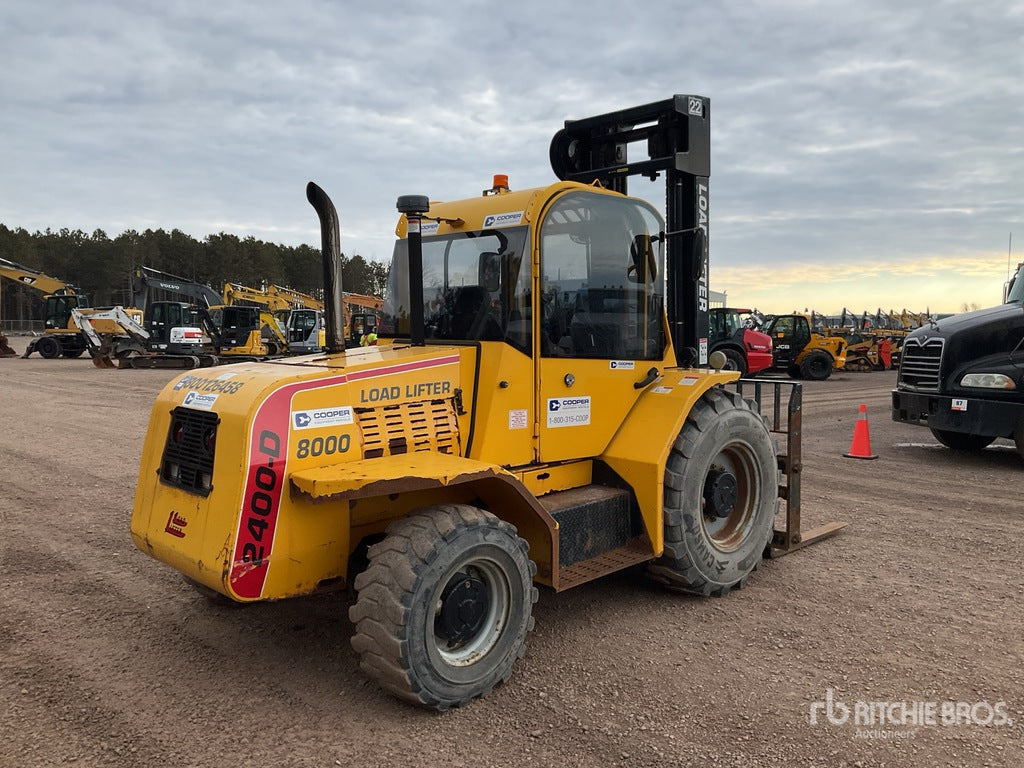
108, 658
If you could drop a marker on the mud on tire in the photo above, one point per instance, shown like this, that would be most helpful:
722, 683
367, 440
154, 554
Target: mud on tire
444, 607
721, 496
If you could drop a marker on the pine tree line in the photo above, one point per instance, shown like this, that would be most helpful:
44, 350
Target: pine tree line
102, 267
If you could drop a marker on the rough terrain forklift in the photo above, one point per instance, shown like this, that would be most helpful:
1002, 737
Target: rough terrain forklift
528, 423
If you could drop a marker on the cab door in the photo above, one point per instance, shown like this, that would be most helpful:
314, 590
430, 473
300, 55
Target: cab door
602, 338
790, 334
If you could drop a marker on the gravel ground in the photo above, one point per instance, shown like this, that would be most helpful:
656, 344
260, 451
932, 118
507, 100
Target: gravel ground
108, 658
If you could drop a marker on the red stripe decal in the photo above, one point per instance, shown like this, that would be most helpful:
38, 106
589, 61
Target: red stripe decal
265, 477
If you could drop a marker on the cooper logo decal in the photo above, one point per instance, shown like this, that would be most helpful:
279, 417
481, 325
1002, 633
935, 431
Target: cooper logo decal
568, 412
503, 219
323, 417
198, 400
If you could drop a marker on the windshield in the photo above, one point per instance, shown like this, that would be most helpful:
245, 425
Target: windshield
474, 288
1015, 290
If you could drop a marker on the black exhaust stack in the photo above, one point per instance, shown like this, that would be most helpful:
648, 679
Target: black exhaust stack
334, 313
414, 206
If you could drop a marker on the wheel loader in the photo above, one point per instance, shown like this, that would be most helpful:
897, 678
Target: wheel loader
528, 424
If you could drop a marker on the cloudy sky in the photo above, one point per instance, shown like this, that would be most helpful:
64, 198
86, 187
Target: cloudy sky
864, 154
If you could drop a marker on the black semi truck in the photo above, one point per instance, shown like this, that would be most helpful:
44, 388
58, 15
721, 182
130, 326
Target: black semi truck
963, 376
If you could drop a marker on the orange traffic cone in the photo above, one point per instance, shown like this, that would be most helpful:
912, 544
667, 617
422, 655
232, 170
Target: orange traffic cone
860, 448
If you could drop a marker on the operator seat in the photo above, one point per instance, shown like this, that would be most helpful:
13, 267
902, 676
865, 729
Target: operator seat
471, 318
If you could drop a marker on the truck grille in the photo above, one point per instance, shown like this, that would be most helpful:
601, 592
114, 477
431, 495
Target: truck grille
188, 452
409, 427
920, 362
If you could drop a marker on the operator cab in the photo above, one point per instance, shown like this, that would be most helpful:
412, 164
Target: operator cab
560, 352
790, 334
600, 288
724, 324
59, 306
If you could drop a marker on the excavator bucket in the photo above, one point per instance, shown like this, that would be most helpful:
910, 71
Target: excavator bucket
103, 361
5, 348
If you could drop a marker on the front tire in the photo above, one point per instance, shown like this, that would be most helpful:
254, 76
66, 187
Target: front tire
721, 496
48, 347
959, 441
444, 606
817, 366
734, 361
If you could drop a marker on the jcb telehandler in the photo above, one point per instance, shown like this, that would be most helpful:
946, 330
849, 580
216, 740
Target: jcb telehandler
528, 423
803, 352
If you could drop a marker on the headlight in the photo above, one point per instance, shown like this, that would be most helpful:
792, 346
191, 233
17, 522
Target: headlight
987, 381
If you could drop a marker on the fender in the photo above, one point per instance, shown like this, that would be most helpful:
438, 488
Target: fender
420, 474
640, 449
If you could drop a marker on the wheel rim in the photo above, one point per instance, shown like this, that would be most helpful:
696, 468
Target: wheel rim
730, 496
470, 612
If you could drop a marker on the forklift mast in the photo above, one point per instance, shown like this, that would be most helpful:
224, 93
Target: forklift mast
677, 132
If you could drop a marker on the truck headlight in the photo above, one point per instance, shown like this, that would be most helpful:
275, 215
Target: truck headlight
988, 381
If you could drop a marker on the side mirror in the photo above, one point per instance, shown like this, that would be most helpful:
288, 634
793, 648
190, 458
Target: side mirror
643, 265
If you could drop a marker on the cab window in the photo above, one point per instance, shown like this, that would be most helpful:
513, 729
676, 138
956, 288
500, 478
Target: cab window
476, 287
602, 292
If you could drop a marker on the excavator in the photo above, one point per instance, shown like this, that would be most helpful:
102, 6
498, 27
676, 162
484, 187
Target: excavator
60, 337
185, 325
361, 313
248, 323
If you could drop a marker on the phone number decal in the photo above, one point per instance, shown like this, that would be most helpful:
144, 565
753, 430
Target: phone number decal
568, 412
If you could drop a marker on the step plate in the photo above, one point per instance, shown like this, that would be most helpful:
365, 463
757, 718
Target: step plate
635, 552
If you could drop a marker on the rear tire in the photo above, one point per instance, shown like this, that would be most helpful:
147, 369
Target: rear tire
959, 441
48, 347
210, 594
721, 496
817, 366
444, 606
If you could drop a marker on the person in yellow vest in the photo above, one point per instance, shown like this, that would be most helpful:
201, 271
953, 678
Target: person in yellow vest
368, 340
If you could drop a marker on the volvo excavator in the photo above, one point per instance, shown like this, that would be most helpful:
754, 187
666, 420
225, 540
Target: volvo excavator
186, 325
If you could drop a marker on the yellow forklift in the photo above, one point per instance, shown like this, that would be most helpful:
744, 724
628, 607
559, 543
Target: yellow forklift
543, 414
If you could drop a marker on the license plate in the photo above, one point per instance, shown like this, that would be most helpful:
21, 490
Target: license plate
959, 405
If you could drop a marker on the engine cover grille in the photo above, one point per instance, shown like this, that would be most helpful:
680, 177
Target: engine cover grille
409, 427
188, 451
